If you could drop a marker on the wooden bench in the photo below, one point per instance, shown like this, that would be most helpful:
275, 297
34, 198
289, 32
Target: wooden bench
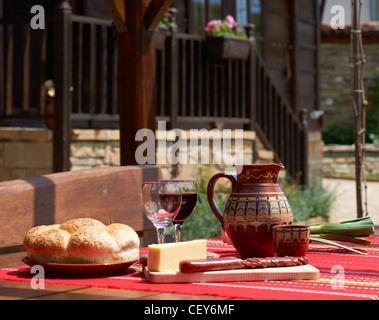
107, 194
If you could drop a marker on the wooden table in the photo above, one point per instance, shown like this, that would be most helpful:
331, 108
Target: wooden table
13, 290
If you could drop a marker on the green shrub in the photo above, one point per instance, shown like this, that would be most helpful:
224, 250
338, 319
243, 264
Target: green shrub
372, 115
313, 201
339, 135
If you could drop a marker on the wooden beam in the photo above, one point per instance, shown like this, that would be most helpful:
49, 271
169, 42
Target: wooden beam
117, 11
155, 13
136, 54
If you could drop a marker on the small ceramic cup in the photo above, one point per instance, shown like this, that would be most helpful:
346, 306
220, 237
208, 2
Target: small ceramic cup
291, 240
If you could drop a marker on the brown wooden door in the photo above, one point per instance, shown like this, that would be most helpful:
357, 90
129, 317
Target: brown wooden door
290, 49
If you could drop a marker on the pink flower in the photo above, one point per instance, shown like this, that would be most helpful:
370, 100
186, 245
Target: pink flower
213, 24
231, 22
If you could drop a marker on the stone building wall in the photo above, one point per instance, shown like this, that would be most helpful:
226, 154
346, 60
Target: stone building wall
335, 75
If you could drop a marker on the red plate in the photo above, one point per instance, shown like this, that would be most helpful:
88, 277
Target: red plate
81, 270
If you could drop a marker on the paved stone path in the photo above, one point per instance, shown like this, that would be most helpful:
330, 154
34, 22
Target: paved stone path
344, 207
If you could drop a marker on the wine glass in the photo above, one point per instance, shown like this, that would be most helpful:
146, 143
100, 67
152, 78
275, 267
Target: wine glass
161, 203
189, 201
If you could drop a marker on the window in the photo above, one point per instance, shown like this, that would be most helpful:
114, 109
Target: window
250, 11
245, 11
256, 15
374, 16
242, 12
215, 9
199, 13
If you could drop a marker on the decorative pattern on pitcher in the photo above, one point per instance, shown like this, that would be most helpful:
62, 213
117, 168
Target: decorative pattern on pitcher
251, 176
257, 211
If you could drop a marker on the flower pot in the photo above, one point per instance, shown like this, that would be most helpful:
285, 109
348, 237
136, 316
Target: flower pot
160, 39
228, 48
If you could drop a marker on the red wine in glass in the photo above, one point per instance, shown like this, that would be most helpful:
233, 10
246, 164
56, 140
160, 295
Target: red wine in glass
189, 201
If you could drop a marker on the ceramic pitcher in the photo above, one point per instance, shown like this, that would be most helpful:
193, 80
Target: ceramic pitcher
256, 204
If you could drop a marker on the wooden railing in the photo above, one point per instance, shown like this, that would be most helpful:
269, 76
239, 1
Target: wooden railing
195, 88
279, 128
199, 88
22, 62
94, 71
191, 87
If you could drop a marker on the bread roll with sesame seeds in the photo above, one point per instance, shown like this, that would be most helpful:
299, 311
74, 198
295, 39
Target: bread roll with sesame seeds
75, 224
51, 247
82, 241
127, 240
33, 233
92, 245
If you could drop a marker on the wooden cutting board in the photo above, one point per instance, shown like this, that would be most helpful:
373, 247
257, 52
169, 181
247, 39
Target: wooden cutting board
306, 272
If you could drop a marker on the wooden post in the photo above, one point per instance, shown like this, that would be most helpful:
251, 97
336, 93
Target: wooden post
304, 147
357, 100
136, 22
250, 29
174, 80
62, 82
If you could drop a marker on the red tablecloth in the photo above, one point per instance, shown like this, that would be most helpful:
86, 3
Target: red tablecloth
343, 275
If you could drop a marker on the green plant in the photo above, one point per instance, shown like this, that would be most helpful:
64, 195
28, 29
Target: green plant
339, 135
166, 20
345, 231
310, 202
227, 27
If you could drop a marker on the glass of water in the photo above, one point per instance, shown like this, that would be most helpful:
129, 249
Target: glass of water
161, 202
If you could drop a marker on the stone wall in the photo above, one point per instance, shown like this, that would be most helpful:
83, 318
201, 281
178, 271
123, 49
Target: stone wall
335, 80
28, 152
339, 161
25, 152
94, 148
315, 155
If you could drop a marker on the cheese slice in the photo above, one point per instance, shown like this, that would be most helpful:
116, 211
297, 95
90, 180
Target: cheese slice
167, 256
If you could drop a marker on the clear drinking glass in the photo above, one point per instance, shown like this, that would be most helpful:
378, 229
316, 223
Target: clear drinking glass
161, 202
189, 202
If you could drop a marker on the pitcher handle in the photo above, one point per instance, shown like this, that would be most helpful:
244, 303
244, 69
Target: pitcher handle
210, 193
